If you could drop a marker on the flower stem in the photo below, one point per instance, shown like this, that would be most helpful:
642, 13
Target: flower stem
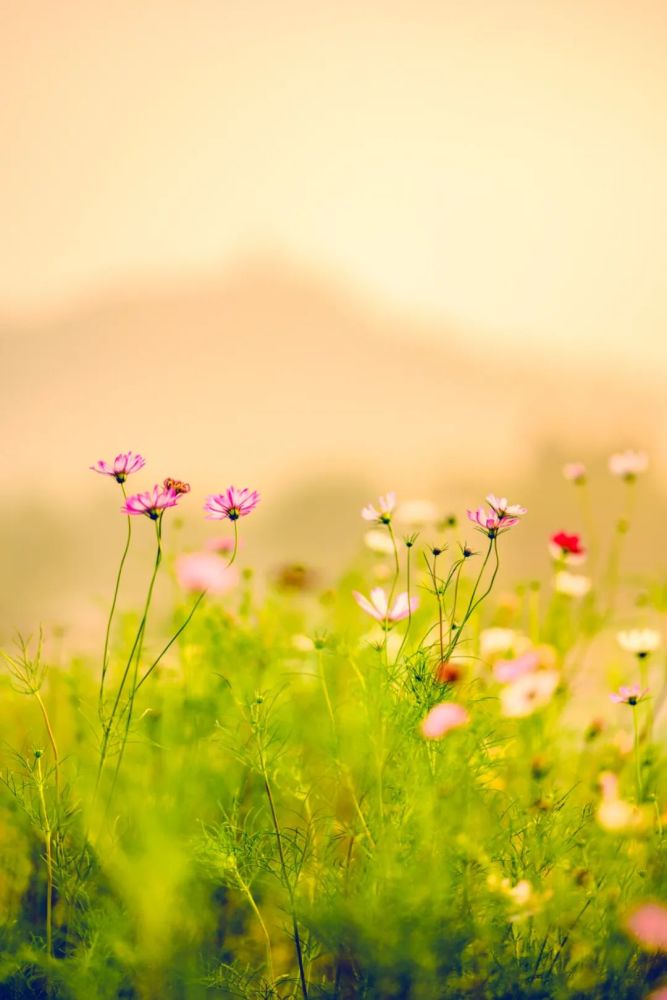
105, 655
638, 767
52, 741
48, 833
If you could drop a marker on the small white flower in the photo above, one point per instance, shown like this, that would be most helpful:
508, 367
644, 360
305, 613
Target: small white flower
572, 584
640, 641
628, 464
417, 513
493, 641
303, 643
379, 541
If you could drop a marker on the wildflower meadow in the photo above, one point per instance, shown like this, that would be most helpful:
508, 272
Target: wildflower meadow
430, 780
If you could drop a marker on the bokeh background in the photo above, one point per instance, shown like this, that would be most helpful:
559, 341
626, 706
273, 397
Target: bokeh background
323, 249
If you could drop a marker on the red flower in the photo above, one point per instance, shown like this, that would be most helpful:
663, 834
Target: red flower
569, 545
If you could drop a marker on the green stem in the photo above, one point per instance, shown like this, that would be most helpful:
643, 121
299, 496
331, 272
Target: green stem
49, 860
235, 522
638, 768
105, 655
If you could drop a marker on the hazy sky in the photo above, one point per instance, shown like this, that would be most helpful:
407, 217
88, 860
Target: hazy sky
500, 164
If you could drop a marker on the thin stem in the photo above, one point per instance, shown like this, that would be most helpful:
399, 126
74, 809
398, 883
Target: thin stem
638, 766
286, 880
235, 522
409, 624
173, 639
472, 603
245, 889
49, 859
325, 689
52, 741
105, 655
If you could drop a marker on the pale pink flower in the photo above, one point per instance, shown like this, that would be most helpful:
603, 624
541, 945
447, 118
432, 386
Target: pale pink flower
382, 513
575, 472
123, 466
503, 508
614, 813
378, 606
204, 571
528, 693
490, 523
628, 464
659, 994
151, 503
508, 670
572, 584
232, 503
220, 544
448, 715
629, 694
648, 926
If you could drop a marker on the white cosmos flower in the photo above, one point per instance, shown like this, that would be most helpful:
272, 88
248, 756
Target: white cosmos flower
572, 584
378, 540
628, 464
640, 641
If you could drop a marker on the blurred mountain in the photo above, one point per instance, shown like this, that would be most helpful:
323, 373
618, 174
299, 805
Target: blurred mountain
282, 380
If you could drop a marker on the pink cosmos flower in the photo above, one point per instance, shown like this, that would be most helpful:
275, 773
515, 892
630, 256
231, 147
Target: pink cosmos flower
378, 606
528, 692
490, 523
203, 571
648, 925
123, 466
508, 670
232, 503
505, 509
629, 694
575, 472
443, 717
152, 503
382, 513
628, 464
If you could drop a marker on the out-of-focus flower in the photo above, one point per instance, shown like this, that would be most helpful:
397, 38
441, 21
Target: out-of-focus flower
628, 464
659, 994
448, 672
382, 513
379, 541
640, 641
528, 693
575, 472
571, 584
509, 670
152, 503
222, 544
122, 466
614, 813
443, 717
177, 485
233, 504
295, 576
204, 571
630, 694
648, 926
379, 609
303, 643
490, 523
504, 508
493, 641
567, 548
416, 513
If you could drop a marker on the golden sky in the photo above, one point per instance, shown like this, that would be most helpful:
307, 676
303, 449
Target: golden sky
499, 164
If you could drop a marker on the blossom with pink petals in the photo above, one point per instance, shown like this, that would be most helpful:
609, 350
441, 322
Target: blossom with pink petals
629, 694
443, 717
123, 466
231, 504
648, 925
382, 513
575, 472
490, 523
628, 464
503, 508
152, 503
378, 606
203, 571
508, 670
528, 692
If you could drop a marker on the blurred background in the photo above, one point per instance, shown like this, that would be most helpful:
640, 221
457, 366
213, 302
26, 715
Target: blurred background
323, 249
